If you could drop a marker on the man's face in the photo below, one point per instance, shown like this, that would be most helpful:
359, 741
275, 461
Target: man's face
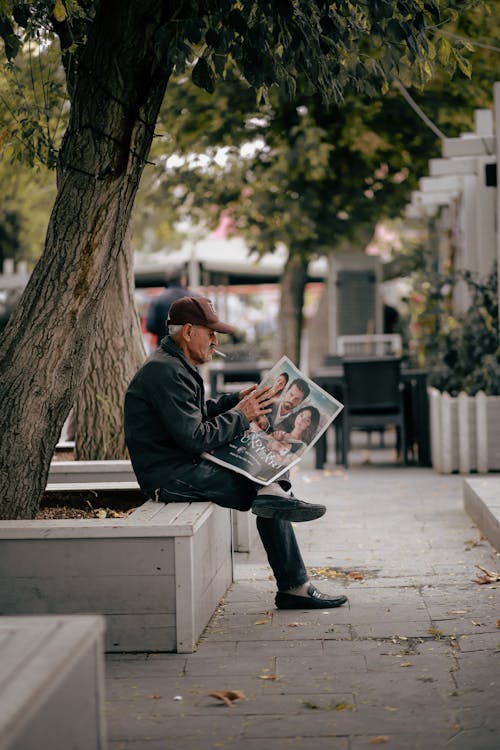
200, 344
292, 398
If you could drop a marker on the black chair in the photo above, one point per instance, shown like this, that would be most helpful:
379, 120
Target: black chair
373, 399
331, 360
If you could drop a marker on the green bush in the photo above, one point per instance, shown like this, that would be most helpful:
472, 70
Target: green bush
467, 352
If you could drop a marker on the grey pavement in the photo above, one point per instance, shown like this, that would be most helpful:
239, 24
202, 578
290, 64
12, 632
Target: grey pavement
412, 661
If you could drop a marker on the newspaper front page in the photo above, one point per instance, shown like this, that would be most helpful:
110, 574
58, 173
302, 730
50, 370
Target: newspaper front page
301, 413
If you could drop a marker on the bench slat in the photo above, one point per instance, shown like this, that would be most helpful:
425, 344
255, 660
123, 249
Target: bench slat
89, 486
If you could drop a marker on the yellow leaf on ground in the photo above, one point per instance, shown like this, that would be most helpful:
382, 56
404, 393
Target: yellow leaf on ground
379, 740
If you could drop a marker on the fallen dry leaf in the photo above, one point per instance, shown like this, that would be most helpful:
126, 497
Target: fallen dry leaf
228, 696
262, 622
489, 576
344, 707
435, 632
406, 664
356, 575
379, 740
268, 677
296, 624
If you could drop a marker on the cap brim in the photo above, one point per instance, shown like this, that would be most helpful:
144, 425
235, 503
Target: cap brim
220, 327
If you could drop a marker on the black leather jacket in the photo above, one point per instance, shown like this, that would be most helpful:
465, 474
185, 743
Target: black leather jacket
168, 423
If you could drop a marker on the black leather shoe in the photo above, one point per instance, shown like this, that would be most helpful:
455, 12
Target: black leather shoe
286, 508
315, 600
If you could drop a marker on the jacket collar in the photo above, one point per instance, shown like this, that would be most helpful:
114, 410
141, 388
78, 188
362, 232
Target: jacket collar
168, 345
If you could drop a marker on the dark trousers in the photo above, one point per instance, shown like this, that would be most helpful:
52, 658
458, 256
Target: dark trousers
205, 480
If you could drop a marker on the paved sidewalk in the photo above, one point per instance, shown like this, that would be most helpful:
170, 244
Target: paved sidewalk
413, 661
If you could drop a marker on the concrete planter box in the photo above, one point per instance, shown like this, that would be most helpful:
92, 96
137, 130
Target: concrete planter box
465, 432
157, 575
481, 497
89, 472
51, 683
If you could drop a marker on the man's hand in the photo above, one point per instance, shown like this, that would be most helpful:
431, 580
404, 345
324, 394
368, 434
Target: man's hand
254, 401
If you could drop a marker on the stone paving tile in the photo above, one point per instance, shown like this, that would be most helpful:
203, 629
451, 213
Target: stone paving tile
480, 642
348, 659
191, 697
393, 628
145, 666
138, 727
234, 665
479, 739
324, 721
313, 647
191, 743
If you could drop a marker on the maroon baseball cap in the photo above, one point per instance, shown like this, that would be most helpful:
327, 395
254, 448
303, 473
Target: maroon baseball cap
198, 311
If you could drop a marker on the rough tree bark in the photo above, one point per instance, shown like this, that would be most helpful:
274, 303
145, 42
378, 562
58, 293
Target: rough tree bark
115, 103
117, 354
293, 282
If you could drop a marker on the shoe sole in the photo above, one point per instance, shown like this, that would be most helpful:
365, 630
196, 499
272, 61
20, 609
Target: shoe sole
294, 514
328, 604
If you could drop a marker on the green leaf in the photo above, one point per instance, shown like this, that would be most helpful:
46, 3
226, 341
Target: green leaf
59, 11
444, 51
12, 43
193, 31
464, 64
203, 76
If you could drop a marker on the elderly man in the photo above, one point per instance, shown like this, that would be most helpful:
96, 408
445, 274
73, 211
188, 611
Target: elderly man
169, 424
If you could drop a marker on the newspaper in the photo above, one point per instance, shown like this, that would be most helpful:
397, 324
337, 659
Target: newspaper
300, 415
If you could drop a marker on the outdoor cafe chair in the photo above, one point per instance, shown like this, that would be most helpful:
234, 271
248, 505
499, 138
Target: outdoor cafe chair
373, 399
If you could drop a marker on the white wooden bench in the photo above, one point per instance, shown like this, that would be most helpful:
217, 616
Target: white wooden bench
80, 476
52, 683
157, 575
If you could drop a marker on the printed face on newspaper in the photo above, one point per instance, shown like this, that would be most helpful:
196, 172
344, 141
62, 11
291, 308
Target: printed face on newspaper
277, 441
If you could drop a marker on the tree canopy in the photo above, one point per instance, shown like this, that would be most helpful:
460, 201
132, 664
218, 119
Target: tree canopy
321, 174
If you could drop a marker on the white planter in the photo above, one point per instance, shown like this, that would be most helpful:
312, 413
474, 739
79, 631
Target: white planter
116, 473
157, 576
465, 432
52, 683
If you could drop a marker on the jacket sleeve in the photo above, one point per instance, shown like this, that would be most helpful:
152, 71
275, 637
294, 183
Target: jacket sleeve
222, 404
176, 395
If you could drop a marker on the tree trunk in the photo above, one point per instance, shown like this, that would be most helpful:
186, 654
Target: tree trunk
118, 352
293, 282
46, 346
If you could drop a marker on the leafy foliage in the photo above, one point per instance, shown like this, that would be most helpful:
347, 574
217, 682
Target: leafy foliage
329, 48
462, 351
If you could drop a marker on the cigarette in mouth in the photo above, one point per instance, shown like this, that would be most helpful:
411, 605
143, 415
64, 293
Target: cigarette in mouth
221, 354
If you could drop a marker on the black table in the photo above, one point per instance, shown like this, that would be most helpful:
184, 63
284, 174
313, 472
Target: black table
331, 379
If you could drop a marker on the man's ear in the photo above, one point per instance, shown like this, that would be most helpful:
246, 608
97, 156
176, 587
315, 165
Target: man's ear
186, 331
